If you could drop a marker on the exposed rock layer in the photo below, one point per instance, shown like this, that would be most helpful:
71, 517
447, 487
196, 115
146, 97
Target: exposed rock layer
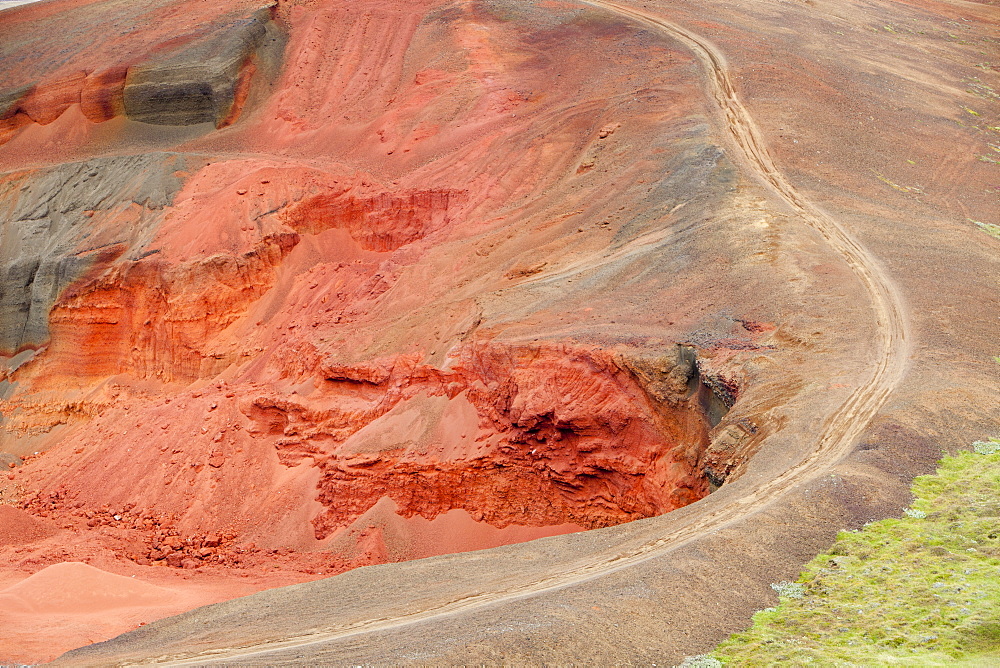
59, 221
197, 76
206, 82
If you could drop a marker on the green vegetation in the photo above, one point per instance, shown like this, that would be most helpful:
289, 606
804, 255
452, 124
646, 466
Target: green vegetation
989, 228
922, 590
906, 189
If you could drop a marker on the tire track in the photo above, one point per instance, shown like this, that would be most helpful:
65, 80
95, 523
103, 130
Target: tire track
892, 335
841, 429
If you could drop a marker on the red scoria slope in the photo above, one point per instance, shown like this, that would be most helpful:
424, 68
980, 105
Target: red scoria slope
392, 308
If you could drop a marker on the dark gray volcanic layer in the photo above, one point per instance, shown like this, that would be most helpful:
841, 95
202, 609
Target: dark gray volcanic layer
47, 243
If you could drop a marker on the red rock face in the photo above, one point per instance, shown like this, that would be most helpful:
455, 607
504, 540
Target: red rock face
379, 314
101, 95
45, 103
525, 435
381, 223
152, 320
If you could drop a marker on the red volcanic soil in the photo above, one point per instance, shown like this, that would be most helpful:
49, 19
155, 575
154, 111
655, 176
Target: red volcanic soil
349, 328
84, 602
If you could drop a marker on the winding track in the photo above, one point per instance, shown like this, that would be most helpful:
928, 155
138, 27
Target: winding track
841, 429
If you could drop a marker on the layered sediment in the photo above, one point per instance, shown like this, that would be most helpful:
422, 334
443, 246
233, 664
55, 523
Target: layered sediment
196, 75
204, 82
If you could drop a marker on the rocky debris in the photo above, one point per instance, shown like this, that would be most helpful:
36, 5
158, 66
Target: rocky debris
145, 538
167, 548
608, 130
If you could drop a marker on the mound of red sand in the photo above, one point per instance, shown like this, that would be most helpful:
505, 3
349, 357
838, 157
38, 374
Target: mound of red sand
74, 588
18, 526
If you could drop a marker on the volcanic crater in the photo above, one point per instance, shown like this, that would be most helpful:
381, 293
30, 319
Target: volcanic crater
293, 289
296, 288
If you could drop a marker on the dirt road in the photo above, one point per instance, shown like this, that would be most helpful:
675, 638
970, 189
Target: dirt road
842, 427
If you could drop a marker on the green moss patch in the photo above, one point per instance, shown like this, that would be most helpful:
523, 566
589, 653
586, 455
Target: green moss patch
921, 590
